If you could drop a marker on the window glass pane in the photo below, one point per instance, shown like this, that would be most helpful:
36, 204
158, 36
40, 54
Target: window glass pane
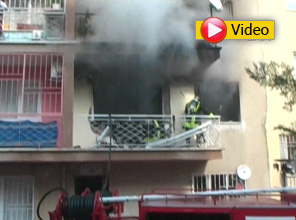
226, 104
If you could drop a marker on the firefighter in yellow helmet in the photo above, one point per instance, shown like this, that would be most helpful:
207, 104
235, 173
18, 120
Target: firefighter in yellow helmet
194, 107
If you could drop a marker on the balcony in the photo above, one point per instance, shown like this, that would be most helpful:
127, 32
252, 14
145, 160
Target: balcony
147, 132
131, 137
30, 100
32, 21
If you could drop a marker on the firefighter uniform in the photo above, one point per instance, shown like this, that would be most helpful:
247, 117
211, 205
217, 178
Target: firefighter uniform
194, 108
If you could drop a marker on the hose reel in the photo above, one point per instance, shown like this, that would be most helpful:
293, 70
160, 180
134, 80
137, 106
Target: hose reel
87, 206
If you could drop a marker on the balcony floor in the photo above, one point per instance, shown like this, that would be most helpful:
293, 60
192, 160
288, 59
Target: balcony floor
101, 155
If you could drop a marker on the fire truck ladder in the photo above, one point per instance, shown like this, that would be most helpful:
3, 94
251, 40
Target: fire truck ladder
244, 192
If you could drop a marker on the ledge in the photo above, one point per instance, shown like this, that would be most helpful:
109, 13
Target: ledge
101, 155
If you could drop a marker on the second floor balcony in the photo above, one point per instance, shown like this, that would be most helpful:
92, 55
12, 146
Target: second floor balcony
31, 100
150, 132
32, 21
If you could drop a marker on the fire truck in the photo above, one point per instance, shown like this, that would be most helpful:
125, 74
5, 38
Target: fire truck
261, 204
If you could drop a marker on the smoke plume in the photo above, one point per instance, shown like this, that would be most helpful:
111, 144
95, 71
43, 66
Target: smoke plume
150, 27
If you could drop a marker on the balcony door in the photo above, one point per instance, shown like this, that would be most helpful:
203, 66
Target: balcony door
180, 95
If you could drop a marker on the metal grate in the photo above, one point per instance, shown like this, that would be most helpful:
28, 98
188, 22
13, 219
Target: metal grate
16, 200
288, 152
31, 83
30, 100
212, 182
32, 20
35, 4
288, 146
129, 131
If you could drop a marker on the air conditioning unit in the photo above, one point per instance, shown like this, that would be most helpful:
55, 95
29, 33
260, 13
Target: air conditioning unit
56, 71
38, 35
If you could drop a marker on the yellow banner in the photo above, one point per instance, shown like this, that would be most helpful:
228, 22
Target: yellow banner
251, 30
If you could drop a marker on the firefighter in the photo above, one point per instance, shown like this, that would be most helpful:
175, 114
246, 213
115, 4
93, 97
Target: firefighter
194, 107
155, 134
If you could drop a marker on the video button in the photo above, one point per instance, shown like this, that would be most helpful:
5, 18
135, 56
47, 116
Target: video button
213, 30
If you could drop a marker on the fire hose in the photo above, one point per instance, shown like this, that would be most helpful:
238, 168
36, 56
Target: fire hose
45, 195
79, 207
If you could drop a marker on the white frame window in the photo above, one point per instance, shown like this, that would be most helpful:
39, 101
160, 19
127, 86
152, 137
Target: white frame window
17, 197
288, 148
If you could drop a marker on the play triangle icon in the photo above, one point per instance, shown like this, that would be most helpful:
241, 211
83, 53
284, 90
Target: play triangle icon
213, 30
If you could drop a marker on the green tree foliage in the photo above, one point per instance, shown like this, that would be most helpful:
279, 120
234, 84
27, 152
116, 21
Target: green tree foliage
279, 77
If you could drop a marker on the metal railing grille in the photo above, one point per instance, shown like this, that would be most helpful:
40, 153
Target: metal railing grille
35, 4
32, 20
31, 83
287, 146
212, 182
290, 180
288, 152
130, 131
16, 200
30, 100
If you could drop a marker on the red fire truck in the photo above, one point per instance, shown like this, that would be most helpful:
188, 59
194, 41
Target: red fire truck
268, 204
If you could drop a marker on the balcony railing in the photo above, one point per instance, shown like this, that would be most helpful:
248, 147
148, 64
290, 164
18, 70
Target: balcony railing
146, 131
35, 4
30, 131
31, 91
32, 21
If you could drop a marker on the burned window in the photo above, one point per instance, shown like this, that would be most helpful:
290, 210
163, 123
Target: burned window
220, 98
122, 85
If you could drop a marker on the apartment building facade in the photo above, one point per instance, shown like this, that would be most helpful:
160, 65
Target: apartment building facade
66, 102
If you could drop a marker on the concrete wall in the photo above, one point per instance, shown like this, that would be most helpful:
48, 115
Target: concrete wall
282, 49
244, 142
83, 102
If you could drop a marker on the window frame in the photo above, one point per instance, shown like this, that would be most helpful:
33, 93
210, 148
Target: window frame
4, 190
209, 178
288, 148
198, 89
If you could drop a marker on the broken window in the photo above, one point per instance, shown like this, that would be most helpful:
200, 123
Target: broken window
120, 92
220, 98
121, 85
